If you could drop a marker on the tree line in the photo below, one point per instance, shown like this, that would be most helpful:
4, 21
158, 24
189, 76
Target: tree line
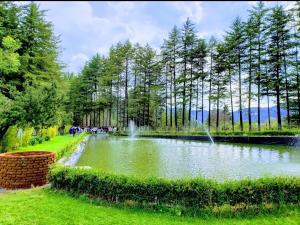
256, 59
31, 78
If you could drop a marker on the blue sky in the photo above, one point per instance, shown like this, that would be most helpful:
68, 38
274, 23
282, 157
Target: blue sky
87, 28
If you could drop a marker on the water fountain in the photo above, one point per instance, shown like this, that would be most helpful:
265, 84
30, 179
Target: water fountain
132, 129
208, 134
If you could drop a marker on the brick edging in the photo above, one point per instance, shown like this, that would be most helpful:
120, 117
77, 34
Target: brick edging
25, 169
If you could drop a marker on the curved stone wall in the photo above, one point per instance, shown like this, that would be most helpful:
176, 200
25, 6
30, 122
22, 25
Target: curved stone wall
24, 169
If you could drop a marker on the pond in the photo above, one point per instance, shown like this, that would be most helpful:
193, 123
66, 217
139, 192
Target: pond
169, 158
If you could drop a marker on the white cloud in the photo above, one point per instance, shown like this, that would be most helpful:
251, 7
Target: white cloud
193, 10
77, 62
83, 31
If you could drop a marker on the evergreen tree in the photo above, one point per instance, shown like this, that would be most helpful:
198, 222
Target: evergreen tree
238, 38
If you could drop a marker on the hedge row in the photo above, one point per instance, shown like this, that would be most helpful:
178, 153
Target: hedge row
198, 193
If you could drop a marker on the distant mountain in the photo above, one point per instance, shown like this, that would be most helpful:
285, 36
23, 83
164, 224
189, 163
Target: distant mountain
263, 114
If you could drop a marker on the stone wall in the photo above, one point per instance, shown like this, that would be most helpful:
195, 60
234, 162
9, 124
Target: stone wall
24, 169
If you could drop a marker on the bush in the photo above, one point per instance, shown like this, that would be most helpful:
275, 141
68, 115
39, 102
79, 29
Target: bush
32, 141
47, 138
191, 193
27, 135
10, 140
67, 128
50, 131
40, 140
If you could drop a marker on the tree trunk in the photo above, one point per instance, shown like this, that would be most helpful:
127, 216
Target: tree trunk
118, 97
249, 88
286, 86
218, 101
240, 92
183, 94
202, 103
174, 88
197, 99
166, 106
175, 101
171, 106
258, 84
269, 115
94, 119
209, 95
277, 88
99, 117
126, 94
298, 88
231, 101
191, 94
3, 130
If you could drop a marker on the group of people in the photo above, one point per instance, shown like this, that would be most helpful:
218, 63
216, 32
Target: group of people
95, 130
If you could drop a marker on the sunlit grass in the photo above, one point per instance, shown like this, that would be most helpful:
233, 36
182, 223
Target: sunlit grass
56, 144
44, 206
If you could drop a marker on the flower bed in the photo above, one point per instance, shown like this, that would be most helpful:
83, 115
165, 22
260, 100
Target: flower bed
24, 169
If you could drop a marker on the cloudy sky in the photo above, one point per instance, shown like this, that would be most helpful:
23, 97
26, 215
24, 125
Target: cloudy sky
87, 28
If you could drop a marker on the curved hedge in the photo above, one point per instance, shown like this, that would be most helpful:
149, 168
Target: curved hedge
185, 192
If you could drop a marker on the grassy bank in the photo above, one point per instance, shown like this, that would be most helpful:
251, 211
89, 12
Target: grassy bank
44, 206
61, 145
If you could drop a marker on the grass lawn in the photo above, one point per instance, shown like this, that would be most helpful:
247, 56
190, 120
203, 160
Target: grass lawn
44, 206
56, 144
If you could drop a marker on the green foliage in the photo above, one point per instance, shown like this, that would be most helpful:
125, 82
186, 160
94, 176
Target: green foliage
32, 141
9, 59
29, 69
10, 140
47, 138
50, 132
67, 128
40, 140
192, 193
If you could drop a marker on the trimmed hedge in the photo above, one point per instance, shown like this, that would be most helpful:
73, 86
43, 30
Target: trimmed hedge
197, 193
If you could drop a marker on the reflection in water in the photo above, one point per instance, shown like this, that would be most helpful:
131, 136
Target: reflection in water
171, 158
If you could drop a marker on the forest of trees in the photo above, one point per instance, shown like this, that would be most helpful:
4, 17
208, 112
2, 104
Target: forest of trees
257, 59
31, 79
254, 64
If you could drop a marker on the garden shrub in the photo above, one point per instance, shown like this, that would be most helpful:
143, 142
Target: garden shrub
10, 140
27, 134
193, 193
47, 138
50, 131
32, 141
39, 140
67, 128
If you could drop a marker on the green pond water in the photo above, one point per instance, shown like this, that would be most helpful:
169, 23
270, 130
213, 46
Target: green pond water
169, 158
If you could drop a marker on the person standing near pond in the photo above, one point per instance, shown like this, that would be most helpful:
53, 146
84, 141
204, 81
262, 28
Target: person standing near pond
72, 131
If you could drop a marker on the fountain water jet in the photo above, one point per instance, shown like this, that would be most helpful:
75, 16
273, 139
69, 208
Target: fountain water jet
208, 134
132, 129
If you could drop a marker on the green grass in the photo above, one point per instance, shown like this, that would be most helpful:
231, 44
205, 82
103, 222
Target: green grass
44, 206
56, 144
